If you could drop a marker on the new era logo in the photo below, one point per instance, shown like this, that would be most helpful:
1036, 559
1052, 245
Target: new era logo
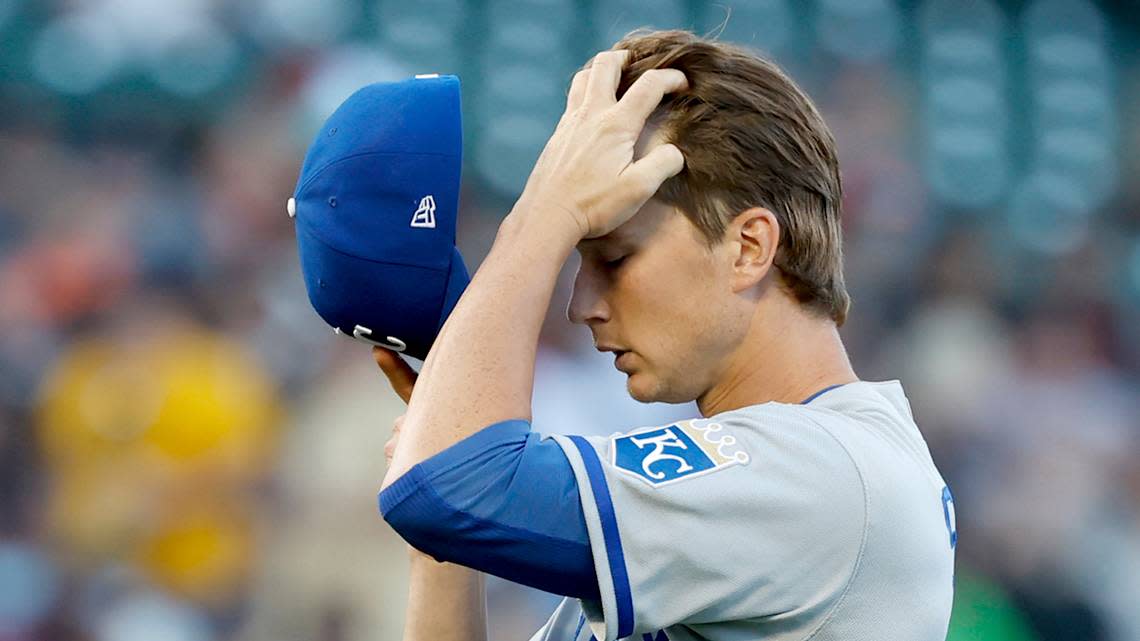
425, 213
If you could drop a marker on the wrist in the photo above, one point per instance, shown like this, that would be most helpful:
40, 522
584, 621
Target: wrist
548, 215
554, 232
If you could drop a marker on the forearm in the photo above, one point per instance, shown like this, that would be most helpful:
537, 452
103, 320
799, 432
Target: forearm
446, 602
481, 368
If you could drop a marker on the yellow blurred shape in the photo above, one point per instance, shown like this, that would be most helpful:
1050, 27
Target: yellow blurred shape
184, 395
151, 441
204, 555
94, 510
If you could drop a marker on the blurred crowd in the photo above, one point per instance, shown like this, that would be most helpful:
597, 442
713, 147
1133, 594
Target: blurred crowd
188, 453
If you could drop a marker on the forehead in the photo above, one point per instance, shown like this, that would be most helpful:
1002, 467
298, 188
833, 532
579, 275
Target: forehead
652, 216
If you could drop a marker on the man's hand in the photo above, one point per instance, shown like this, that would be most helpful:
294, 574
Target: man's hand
587, 174
403, 380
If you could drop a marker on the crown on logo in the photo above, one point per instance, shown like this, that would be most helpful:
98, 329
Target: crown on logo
725, 450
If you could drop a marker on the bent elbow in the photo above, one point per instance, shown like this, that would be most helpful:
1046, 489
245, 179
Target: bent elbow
415, 511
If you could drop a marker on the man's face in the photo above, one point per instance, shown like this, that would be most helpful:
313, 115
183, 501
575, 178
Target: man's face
653, 292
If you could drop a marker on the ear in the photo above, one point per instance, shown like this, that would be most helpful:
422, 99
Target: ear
756, 234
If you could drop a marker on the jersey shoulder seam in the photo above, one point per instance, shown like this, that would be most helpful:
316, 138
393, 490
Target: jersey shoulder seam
863, 539
918, 449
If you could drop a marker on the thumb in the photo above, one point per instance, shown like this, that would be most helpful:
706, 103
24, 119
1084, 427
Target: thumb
400, 375
657, 166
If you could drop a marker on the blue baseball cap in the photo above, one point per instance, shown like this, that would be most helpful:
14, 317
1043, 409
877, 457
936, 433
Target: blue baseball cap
375, 209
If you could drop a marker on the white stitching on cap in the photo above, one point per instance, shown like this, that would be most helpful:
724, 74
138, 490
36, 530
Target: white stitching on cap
362, 333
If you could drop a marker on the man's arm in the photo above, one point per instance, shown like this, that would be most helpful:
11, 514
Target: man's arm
445, 601
481, 368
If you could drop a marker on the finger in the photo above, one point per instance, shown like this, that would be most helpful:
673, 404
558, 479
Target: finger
390, 445
605, 74
400, 375
577, 90
649, 90
660, 164
390, 449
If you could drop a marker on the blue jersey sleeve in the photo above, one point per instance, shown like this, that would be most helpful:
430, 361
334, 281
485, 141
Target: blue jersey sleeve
503, 501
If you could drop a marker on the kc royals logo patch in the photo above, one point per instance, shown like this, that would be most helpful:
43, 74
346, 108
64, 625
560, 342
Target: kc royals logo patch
663, 455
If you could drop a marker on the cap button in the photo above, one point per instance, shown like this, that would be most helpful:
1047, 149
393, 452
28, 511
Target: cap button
291, 207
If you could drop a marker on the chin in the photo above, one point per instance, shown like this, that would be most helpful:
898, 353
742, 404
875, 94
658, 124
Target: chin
641, 396
645, 388
642, 387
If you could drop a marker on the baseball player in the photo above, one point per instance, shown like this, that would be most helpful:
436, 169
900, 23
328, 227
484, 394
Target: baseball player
701, 190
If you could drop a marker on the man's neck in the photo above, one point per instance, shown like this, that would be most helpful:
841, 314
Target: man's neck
787, 355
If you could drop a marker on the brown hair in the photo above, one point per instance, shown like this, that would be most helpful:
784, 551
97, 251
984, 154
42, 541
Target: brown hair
750, 138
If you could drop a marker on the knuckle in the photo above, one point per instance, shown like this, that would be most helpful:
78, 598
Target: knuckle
645, 185
570, 118
612, 56
611, 120
645, 189
579, 80
653, 80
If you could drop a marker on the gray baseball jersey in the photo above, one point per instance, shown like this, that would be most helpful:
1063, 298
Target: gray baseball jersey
825, 520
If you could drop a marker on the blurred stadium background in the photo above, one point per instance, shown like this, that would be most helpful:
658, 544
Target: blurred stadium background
188, 454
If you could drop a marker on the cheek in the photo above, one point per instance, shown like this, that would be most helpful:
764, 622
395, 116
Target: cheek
677, 310
676, 342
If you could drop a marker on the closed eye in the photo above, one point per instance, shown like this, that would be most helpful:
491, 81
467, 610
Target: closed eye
616, 262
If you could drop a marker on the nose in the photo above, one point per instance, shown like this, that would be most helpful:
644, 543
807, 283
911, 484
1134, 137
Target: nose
587, 305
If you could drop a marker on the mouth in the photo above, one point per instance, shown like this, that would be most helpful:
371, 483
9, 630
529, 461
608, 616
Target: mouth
622, 357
